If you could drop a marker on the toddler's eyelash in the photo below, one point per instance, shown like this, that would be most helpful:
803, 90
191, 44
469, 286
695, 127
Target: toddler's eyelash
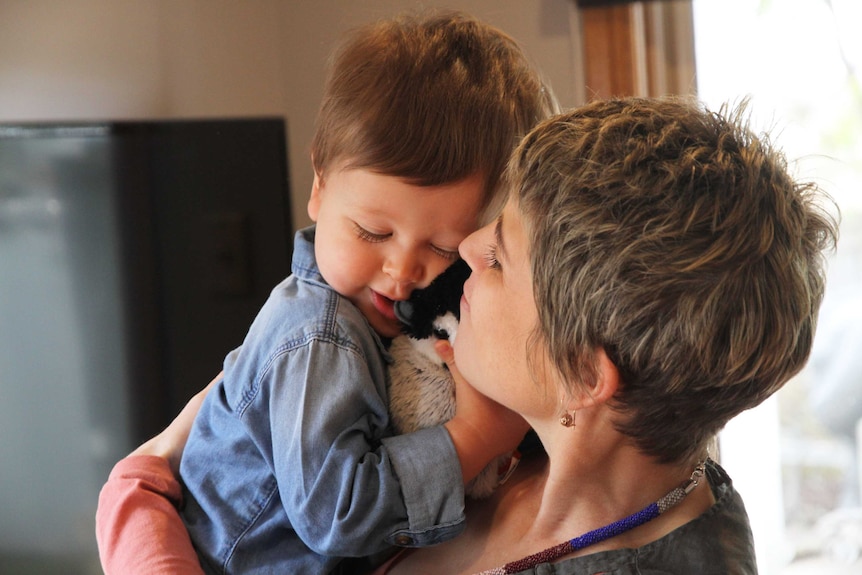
448, 254
490, 257
368, 236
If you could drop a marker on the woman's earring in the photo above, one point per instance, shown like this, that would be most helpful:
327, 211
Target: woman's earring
568, 419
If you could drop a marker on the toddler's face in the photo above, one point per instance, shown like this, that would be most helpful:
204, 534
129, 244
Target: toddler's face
378, 237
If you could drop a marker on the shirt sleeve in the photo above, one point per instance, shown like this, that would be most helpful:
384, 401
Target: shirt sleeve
138, 528
432, 485
348, 492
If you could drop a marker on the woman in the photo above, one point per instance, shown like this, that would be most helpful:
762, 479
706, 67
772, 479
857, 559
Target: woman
655, 272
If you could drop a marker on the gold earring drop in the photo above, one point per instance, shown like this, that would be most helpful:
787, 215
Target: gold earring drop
568, 419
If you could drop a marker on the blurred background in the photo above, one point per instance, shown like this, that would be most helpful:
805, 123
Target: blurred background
182, 128
796, 458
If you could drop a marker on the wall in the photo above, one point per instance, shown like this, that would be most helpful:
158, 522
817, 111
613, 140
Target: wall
138, 59
94, 59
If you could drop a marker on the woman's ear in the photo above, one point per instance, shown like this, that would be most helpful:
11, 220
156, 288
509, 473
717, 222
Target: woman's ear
314, 200
607, 380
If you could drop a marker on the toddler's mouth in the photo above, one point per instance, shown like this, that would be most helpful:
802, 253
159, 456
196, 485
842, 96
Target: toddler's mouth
384, 305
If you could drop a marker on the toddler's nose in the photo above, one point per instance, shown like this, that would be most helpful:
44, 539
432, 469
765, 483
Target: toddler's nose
405, 270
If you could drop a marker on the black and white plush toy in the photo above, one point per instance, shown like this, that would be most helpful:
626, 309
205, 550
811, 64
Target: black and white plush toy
421, 389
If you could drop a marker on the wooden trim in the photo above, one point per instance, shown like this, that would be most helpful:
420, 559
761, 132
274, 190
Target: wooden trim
601, 3
609, 52
638, 49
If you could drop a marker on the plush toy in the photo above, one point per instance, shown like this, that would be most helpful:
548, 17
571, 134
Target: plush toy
421, 389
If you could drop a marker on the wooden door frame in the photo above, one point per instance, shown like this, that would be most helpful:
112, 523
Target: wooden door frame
636, 48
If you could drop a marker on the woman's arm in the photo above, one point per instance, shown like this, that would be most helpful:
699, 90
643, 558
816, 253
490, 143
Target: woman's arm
138, 527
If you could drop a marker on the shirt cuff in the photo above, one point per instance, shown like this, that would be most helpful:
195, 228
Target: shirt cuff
430, 476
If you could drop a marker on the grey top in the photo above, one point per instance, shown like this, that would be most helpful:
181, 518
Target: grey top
719, 542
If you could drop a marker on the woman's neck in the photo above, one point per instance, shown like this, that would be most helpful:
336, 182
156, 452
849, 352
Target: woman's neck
555, 497
593, 477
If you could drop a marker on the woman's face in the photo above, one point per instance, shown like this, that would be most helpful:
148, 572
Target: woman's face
498, 314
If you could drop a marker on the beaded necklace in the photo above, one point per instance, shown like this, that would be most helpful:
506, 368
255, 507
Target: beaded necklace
636, 519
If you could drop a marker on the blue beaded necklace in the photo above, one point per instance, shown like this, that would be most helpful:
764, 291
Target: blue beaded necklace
646, 514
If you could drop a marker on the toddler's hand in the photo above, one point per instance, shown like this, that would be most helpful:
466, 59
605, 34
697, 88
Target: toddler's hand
481, 428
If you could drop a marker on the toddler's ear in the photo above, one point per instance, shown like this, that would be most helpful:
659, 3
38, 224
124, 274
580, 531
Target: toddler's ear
314, 200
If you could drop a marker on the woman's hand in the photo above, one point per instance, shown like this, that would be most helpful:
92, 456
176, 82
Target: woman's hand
481, 428
169, 444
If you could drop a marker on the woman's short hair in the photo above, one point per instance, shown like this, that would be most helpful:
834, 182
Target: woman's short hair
675, 239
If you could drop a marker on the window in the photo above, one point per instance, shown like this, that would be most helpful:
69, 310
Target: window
795, 459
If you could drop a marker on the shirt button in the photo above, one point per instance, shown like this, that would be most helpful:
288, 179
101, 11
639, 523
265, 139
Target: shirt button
403, 540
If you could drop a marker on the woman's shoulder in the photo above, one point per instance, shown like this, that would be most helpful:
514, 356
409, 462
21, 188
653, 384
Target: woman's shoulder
718, 541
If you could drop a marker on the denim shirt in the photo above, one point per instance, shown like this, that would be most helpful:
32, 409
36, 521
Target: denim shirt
291, 465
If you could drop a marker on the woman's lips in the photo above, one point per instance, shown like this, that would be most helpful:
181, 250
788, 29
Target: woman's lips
464, 303
384, 305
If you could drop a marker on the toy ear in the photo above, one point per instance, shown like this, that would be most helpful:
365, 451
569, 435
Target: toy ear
441, 296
